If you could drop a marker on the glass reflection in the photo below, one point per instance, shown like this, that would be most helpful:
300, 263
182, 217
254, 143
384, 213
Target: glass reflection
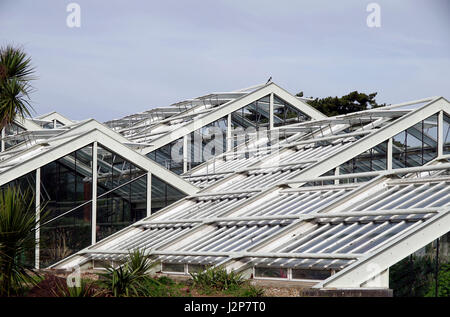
65, 185
163, 194
416, 145
121, 207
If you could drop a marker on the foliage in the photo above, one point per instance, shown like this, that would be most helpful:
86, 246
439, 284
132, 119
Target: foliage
17, 224
352, 102
132, 279
412, 277
16, 73
217, 278
443, 282
162, 286
121, 281
63, 237
139, 263
126, 279
86, 289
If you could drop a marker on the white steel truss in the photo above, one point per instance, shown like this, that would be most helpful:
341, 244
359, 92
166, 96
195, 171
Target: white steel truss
271, 204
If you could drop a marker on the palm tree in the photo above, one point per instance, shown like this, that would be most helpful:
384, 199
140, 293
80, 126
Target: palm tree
16, 73
17, 224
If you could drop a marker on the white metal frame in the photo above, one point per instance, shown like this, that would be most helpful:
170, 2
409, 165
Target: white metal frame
436, 220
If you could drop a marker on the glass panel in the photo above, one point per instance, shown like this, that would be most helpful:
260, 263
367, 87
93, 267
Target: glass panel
12, 135
114, 170
173, 267
207, 142
65, 235
121, 207
285, 113
163, 194
417, 145
270, 272
247, 120
66, 184
321, 183
399, 150
203, 144
25, 183
374, 159
48, 125
446, 134
310, 274
430, 138
253, 115
170, 156
196, 268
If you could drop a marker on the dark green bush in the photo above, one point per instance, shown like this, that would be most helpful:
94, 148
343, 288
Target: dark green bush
411, 277
127, 279
159, 287
86, 289
443, 282
217, 278
17, 224
415, 277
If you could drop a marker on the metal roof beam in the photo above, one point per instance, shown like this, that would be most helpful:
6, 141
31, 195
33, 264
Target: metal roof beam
236, 255
356, 213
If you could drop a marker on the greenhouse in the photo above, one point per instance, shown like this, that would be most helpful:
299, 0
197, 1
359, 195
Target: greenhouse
254, 180
88, 182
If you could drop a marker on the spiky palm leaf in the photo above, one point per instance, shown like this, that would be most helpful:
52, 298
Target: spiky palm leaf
126, 279
17, 224
16, 73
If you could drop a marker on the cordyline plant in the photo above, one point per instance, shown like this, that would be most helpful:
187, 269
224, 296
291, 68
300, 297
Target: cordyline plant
16, 73
17, 238
128, 278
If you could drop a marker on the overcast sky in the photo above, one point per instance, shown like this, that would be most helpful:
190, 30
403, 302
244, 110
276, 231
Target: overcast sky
130, 56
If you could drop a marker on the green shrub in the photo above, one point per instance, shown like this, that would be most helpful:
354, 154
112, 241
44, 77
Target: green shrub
159, 287
139, 263
411, 277
443, 282
121, 281
86, 289
17, 224
164, 280
127, 279
217, 278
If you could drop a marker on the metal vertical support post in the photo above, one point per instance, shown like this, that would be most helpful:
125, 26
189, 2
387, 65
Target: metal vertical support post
149, 194
229, 133
38, 217
94, 193
389, 154
185, 153
337, 172
3, 140
271, 112
437, 268
440, 149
